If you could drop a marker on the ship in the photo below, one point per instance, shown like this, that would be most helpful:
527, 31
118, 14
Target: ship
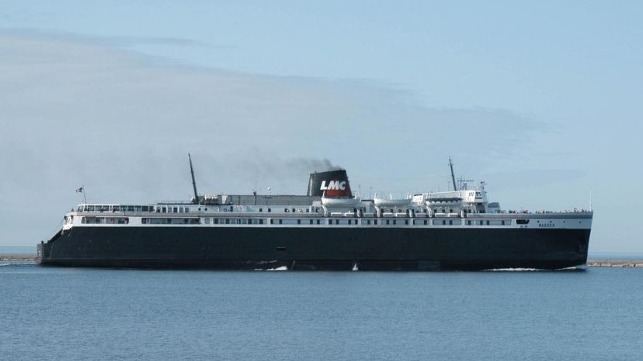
328, 228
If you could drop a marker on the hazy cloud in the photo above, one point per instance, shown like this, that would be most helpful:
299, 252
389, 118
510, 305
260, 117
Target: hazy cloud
82, 112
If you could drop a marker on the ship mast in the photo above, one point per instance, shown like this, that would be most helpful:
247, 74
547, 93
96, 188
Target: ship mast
452, 175
196, 195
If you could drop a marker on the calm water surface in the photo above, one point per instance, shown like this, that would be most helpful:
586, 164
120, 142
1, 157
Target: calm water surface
80, 314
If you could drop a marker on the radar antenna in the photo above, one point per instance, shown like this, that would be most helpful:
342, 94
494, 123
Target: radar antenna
196, 195
452, 175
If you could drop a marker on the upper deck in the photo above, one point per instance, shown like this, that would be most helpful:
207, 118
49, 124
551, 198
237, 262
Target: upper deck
367, 214
321, 207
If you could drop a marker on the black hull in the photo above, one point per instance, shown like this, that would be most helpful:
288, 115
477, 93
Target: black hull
317, 248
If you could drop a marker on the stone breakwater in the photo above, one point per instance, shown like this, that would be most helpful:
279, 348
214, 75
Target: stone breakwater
619, 263
17, 259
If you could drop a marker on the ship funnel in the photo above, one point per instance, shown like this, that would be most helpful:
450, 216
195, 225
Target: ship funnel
333, 183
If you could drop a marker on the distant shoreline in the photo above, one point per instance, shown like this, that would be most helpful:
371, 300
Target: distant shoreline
28, 258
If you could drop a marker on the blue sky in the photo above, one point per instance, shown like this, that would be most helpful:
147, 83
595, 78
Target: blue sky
540, 100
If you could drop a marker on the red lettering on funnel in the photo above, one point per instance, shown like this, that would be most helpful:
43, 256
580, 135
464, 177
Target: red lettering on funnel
336, 188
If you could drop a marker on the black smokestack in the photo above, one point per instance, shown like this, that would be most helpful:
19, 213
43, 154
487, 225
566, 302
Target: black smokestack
334, 183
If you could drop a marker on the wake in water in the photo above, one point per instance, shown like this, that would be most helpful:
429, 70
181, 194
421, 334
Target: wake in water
282, 268
569, 269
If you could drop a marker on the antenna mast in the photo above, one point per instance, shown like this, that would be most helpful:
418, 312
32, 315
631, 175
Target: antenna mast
452, 175
196, 195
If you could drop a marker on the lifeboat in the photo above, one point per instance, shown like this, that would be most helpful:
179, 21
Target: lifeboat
341, 202
391, 202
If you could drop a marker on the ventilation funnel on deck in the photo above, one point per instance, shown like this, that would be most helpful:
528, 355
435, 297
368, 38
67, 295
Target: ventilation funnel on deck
333, 182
